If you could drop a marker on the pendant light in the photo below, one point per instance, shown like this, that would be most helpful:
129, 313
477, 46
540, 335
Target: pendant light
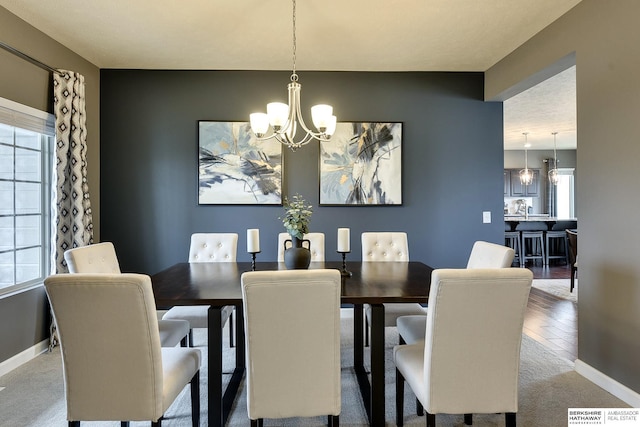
282, 121
553, 173
526, 176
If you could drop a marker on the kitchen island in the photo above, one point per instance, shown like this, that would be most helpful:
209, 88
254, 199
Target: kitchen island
514, 220
536, 217
537, 236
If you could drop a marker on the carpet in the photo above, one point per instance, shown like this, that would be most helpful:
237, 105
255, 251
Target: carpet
34, 394
557, 287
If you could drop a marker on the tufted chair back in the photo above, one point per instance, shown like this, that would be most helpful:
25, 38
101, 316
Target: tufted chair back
490, 255
315, 239
385, 246
213, 247
96, 258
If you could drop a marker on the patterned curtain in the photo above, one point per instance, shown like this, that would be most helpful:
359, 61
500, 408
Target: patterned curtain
71, 220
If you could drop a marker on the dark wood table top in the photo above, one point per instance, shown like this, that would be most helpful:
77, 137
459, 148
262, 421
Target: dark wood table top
219, 283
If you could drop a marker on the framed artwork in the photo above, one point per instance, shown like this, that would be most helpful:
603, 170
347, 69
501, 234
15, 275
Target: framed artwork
362, 165
234, 168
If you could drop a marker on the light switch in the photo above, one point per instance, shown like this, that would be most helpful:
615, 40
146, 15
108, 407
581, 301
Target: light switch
486, 217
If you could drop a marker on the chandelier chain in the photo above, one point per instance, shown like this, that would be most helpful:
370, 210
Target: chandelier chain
294, 76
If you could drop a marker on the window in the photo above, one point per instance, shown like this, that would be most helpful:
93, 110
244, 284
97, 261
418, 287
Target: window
26, 142
564, 194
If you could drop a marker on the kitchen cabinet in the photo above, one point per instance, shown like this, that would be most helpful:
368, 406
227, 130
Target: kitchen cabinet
514, 188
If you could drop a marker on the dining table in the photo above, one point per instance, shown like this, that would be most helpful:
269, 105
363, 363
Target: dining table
219, 284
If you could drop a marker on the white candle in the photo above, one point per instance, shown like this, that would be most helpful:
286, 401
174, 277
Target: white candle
253, 240
343, 240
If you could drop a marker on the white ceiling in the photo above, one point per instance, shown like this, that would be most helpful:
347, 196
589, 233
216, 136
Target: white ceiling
332, 35
547, 107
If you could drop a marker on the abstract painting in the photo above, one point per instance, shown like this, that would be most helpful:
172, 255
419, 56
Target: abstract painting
362, 165
234, 168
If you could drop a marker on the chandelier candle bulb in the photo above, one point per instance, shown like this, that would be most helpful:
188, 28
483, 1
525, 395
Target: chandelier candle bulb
278, 114
253, 240
321, 116
343, 240
259, 123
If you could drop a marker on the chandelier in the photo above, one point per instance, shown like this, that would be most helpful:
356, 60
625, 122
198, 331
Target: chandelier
526, 176
553, 173
285, 119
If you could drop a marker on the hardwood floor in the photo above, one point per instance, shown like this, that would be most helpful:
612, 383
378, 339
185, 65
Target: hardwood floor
550, 320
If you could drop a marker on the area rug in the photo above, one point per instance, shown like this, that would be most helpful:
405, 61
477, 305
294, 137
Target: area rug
34, 393
557, 287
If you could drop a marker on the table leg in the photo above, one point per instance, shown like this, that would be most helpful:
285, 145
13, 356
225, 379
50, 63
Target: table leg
220, 404
372, 392
240, 345
377, 365
216, 418
358, 344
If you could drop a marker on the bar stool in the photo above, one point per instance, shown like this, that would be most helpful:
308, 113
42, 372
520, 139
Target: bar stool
512, 240
532, 241
556, 240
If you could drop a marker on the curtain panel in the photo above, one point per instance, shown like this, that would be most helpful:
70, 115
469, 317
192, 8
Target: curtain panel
72, 222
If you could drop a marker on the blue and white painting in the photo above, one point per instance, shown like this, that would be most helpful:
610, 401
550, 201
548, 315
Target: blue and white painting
235, 168
362, 165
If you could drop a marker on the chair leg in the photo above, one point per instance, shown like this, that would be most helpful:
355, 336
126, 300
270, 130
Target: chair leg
257, 423
157, 423
468, 419
74, 423
191, 338
231, 330
124, 423
419, 408
333, 421
195, 400
510, 419
399, 399
573, 277
366, 331
431, 420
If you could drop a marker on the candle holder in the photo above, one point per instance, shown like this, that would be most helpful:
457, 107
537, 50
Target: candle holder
344, 272
253, 260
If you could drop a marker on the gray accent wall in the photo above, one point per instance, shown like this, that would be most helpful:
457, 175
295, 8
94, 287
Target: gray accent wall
452, 161
24, 317
602, 35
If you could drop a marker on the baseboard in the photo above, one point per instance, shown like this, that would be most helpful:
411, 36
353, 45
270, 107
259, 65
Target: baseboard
620, 391
23, 357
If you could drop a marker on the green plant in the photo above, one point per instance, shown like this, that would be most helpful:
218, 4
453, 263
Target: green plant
297, 216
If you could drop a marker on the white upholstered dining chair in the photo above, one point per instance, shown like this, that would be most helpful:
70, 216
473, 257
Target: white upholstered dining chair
292, 334
113, 365
207, 247
469, 360
411, 329
316, 243
101, 258
490, 255
388, 247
